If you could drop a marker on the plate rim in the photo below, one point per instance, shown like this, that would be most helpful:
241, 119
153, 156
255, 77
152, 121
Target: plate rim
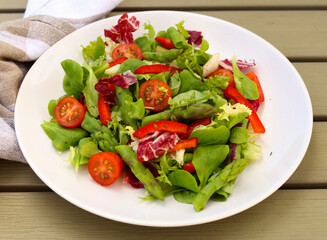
252, 203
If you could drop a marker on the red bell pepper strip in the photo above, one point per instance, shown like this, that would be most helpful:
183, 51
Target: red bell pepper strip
156, 68
191, 126
254, 119
186, 143
189, 167
168, 126
104, 111
165, 42
117, 61
255, 79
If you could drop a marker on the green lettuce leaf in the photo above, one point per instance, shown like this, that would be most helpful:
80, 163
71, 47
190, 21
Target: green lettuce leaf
244, 85
95, 50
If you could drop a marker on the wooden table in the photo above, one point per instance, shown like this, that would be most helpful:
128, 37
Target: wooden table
298, 210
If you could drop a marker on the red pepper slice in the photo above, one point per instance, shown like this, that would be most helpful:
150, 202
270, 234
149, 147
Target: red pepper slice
191, 126
168, 126
186, 143
255, 121
104, 110
117, 61
156, 68
255, 79
189, 167
165, 42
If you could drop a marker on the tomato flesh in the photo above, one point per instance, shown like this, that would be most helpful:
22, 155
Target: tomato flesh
155, 95
105, 167
69, 112
189, 167
227, 73
129, 50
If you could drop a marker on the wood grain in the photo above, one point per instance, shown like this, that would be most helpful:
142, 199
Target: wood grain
287, 214
19, 5
297, 37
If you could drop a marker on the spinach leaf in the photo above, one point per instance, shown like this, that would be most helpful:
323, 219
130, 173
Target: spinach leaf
244, 85
73, 79
210, 135
189, 82
184, 196
62, 138
206, 159
91, 95
130, 64
183, 179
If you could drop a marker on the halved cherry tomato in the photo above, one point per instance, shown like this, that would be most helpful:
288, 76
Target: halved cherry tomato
189, 167
225, 72
155, 95
105, 167
129, 50
69, 112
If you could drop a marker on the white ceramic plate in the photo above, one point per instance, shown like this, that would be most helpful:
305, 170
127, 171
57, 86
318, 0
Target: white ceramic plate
286, 113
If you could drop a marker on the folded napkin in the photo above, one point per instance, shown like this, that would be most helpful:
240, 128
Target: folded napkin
22, 41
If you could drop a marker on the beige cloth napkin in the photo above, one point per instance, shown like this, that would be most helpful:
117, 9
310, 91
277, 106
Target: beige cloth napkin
22, 41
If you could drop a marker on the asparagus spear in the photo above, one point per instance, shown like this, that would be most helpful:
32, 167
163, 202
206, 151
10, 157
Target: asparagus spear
142, 173
217, 181
162, 57
192, 112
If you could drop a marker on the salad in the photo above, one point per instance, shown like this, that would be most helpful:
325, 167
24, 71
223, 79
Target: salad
160, 111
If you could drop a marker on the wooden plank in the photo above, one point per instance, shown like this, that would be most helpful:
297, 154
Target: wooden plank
19, 5
311, 173
9, 16
296, 37
287, 214
312, 75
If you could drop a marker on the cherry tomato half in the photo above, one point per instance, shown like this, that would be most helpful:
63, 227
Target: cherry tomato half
69, 112
129, 50
155, 95
227, 73
105, 167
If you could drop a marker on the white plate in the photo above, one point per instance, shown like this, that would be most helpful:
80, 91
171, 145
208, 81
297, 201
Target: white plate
286, 113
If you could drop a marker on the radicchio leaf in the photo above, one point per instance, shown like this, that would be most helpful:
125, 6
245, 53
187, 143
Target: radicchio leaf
156, 146
107, 90
255, 104
122, 32
123, 80
233, 151
195, 38
227, 64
